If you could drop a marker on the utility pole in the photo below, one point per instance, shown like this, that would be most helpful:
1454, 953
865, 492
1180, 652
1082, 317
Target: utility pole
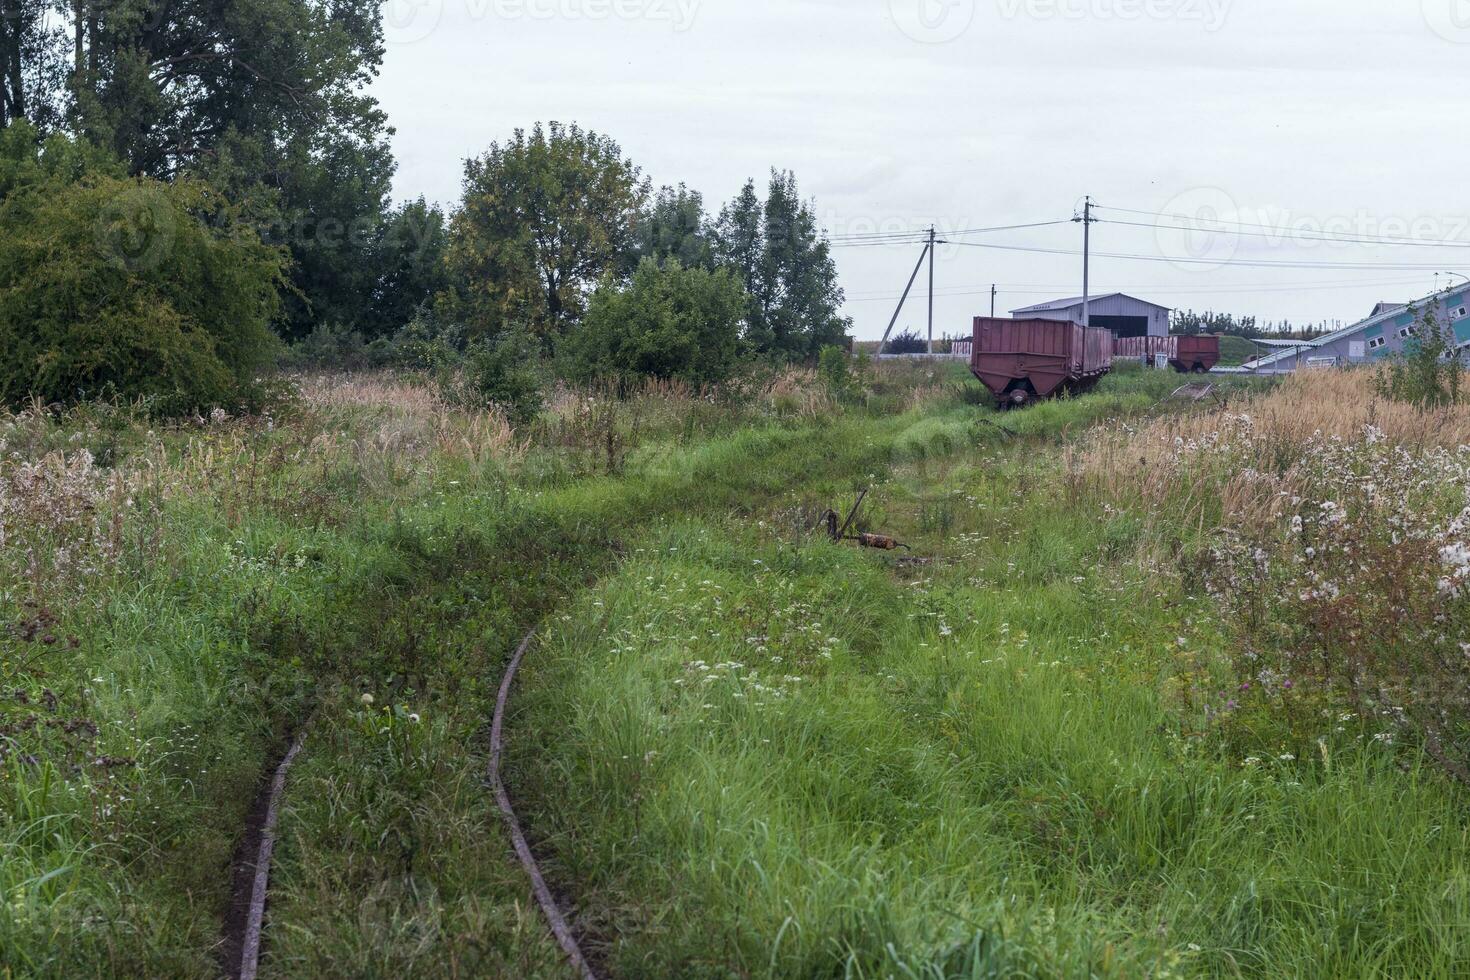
992, 301
1087, 220
928, 250
931, 290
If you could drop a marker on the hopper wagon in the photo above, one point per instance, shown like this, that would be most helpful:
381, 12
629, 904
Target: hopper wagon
1187, 355
1196, 355
1024, 360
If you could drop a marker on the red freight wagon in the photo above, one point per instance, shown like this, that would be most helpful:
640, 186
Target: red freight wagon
1019, 360
1196, 354
1146, 348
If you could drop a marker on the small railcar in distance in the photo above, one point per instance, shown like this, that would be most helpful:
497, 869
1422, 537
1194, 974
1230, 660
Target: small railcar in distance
1196, 355
1187, 355
1024, 360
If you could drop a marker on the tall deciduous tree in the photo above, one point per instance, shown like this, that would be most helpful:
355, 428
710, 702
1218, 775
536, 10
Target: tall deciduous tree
32, 63
545, 216
740, 237
674, 226
267, 100
410, 264
787, 267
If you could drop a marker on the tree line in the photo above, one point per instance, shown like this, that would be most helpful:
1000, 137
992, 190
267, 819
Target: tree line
187, 186
1189, 323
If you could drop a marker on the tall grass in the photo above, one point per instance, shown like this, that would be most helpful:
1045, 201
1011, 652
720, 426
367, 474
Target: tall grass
745, 750
806, 762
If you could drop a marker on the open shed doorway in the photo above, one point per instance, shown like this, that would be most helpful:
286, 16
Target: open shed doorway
1123, 326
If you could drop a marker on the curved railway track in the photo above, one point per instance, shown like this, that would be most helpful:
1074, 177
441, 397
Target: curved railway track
244, 928
554, 916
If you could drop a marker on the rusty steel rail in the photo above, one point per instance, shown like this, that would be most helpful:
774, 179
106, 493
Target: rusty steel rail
249, 962
544, 898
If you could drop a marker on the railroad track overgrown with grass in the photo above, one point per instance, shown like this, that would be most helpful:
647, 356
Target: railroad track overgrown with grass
738, 749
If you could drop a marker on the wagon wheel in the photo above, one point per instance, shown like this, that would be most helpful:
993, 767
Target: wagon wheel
1017, 397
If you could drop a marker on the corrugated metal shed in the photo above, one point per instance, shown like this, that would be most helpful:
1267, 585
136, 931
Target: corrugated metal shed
1126, 316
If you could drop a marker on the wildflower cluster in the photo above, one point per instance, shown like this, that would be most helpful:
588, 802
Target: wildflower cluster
60, 517
1348, 584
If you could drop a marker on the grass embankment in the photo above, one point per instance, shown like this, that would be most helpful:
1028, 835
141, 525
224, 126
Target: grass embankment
182, 599
944, 769
784, 758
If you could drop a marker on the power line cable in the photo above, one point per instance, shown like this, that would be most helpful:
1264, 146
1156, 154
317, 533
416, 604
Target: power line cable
1244, 263
918, 238
1050, 289
1278, 232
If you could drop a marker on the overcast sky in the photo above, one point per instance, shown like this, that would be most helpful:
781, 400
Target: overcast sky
1344, 117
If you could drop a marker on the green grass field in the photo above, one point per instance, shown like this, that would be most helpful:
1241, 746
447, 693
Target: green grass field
740, 749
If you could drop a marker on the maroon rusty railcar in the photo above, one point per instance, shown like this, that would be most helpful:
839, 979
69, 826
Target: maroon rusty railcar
1196, 355
1145, 348
1184, 354
1021, 360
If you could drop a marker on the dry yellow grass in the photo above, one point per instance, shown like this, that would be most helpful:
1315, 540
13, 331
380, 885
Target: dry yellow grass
799, 392
1244, 462
408, 420
1325, 404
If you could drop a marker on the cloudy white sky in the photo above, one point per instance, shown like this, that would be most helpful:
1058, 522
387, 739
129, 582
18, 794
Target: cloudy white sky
1347, 116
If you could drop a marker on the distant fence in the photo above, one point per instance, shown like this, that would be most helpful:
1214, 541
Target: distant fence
936, 356
1146, 347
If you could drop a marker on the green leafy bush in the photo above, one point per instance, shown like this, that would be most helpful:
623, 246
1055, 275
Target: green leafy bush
907, 342
131, 288
833, 368
502, 373
328, 346
1429, 371
670, 322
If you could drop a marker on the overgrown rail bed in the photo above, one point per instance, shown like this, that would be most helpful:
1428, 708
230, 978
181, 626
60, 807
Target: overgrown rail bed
742, 750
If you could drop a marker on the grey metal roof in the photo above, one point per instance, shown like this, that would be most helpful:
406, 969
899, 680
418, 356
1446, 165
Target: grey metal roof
1362, 325
1292, 344
1064, 304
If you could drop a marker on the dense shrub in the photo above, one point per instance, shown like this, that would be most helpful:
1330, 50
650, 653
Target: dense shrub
1428, 373
132, 289
501, 373
671, 322
835, 372
908, 342
329, 346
